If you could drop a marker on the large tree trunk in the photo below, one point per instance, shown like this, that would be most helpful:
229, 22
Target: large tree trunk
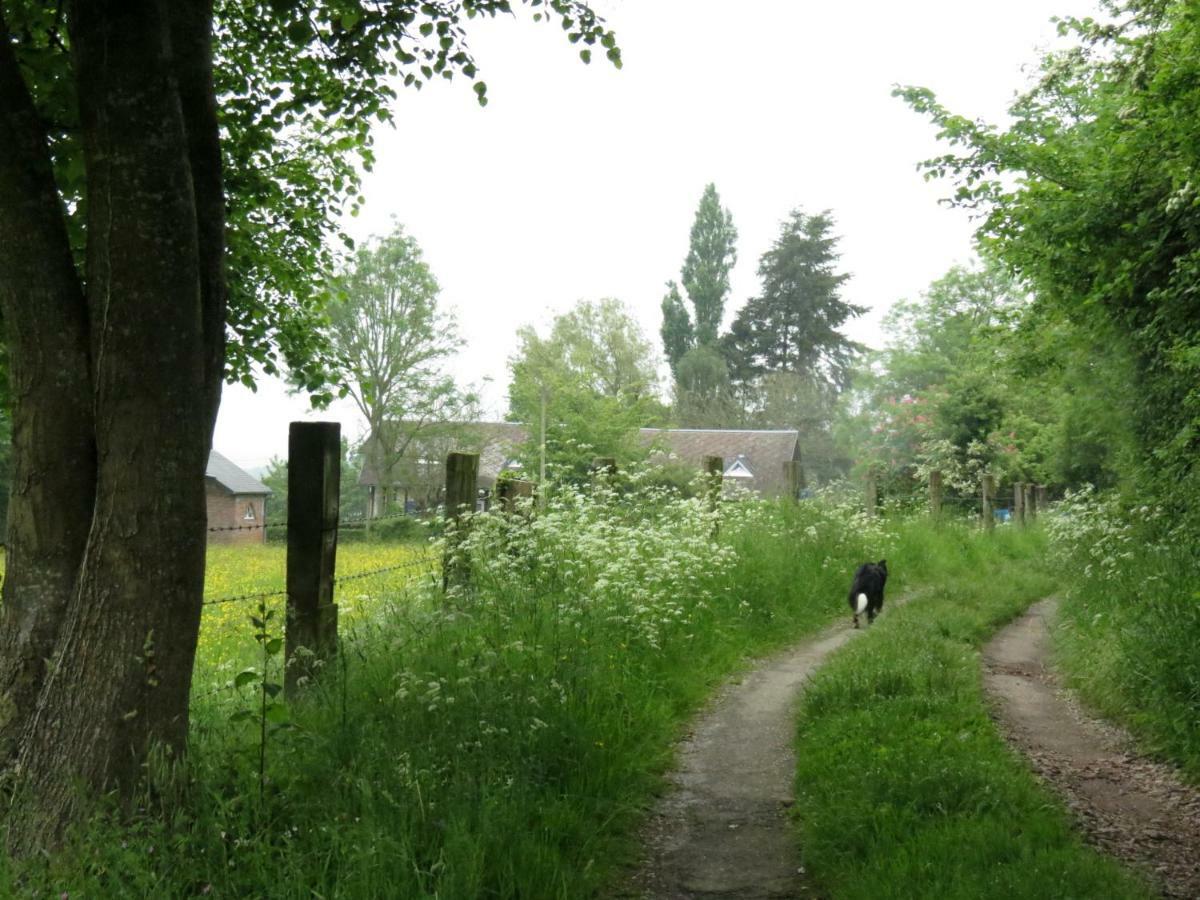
118, 683
53, 473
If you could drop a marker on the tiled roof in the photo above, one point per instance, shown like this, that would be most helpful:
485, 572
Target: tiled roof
495, 441
762, 452
232, 478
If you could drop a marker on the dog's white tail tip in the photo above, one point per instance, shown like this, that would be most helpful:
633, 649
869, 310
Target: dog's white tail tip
860, 604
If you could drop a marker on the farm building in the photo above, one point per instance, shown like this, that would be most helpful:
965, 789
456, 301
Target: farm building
753, 459
236, 502
418, 477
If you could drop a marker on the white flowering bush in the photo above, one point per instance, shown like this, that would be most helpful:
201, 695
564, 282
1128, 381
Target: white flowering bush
1103, 536
499, 738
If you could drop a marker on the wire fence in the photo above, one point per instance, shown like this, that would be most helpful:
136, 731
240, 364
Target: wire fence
424, 561
350, 523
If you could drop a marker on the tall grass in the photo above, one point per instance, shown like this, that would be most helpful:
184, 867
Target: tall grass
502, 741
1130, 623
904, 786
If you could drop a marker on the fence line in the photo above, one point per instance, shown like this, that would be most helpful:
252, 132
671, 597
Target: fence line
419, 562
355, 522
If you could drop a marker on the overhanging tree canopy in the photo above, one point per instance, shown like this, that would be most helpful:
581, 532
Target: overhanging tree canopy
151, 203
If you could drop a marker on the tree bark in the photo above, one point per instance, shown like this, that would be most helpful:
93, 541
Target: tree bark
53, 454
118, 683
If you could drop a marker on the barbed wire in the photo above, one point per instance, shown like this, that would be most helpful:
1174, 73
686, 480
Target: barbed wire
353, 522
421, 561
411, 564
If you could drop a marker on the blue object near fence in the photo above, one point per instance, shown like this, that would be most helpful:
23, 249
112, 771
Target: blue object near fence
1002, 514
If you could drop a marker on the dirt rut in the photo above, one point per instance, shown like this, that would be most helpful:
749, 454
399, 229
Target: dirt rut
723, 831
1129, 806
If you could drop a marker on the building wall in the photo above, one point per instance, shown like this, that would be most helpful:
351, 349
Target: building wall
226, 510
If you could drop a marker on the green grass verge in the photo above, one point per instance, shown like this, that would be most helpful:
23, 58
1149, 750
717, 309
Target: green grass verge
1127, 643
502, 745
904, 786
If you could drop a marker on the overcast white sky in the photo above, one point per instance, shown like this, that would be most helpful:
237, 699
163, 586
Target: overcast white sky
581, 182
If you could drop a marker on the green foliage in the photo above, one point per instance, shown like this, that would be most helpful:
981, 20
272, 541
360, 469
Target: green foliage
677, 334
904, 787
702, 391
976, 379
792, 326
592, 382
352, 497
299, 85
712, 253
1088, 195
1130, 620
390, 342
506, 746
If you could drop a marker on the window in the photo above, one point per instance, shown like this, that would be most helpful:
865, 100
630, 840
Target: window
248, 515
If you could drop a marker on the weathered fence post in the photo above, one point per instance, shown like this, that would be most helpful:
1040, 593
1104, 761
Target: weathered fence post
793, 477
462, 477
1040, 495
713, 468
314, 477
1030, 504
871, 495
988, 490
1019, 503
935, 494
510, 491
604, 465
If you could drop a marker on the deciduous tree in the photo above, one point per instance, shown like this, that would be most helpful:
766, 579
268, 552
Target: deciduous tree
590, 384
390, 343
122, 148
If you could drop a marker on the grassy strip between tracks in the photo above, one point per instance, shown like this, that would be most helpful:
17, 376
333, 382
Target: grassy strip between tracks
904, 786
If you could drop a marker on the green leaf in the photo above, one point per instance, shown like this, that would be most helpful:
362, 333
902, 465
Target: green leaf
248, 676
273, 646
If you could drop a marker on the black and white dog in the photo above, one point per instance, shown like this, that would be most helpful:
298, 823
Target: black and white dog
866, 592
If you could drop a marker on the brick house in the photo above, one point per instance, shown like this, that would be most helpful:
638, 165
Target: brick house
236, 503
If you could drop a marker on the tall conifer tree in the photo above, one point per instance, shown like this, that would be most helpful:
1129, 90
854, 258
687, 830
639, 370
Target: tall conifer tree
793, 325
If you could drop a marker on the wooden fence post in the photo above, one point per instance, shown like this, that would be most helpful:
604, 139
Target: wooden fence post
510, 491
1031, 510
1019, 503
314, 476
935, 494
1040, 496
871, 495
988, 490
604, 465
713, 468
793, 477
462, 478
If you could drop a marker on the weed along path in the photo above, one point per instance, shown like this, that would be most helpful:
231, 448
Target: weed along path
1131, 807
723, 831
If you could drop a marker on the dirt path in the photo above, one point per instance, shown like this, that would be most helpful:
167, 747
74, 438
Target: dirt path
1129, 806
723, 831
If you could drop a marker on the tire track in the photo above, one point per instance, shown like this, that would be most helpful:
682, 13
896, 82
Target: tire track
1128, 806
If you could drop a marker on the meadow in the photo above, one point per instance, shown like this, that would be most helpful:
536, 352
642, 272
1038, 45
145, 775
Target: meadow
243, 581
